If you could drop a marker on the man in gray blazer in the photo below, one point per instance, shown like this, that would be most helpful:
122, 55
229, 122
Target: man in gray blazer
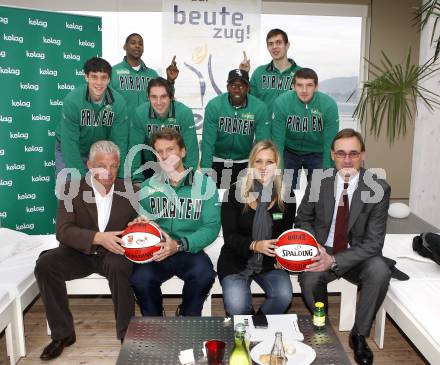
356, 253
88, 228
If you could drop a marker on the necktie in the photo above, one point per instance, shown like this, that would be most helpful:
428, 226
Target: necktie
340, 240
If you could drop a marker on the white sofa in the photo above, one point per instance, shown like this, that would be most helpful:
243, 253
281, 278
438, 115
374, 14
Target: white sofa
18, 253
412, 304
8, 321
96, 284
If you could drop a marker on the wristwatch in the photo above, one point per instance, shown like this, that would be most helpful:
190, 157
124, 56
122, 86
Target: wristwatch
334, 265
180, 246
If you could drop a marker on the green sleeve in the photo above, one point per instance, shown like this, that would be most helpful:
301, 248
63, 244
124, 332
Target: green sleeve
254, 84
278, 129
70, 132
209, 137
188, 131
119, 134
331, 127
262, 129
137, 136
209, 226
114, 83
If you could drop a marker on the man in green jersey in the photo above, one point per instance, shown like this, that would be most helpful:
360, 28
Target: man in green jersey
271, 80
184, 203
304, 123
162, 111
92, 112
131, 76
233, 122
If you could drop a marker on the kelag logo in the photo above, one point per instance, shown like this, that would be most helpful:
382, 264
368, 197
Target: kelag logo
2, 152
23, 226
18, 135
35, 209
20, 103
15, 167
4, 20
46, 118
37, 23
3, 214
28, 86
56, 102
50, 163
35, 54
13, 38
5, 119
47, 72
40, 178
71, 56
26, 196
65, 86
86, 43
2, 54
33, 148
5, 182
74, 26
10, 71
51, 40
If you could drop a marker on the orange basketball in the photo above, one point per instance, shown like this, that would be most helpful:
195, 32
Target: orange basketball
295, 250
140, 242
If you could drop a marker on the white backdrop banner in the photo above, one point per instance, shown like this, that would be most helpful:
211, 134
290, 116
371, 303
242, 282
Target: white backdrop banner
208, 38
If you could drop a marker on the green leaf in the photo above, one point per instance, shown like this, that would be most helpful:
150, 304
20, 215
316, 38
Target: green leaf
390, 97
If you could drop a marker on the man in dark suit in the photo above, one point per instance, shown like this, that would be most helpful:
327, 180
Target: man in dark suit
351, 238
88, 226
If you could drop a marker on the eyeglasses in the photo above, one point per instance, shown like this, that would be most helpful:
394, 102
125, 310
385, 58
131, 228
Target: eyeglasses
237, 86
352, 155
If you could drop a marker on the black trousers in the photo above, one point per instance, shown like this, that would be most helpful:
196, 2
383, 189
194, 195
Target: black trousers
55, 267
373, 277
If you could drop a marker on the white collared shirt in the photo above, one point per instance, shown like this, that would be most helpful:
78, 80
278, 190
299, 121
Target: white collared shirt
103, 206
352, 185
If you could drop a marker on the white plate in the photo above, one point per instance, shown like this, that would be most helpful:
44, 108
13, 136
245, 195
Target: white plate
304, 354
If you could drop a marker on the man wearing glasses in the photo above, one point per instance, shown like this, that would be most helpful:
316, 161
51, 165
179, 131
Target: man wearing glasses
346, 211
233, 122
304, 123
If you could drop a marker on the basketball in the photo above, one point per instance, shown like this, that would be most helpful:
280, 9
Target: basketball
295, 249
140, 240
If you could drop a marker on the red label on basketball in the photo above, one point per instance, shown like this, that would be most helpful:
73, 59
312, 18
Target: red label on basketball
295, 250
140, 240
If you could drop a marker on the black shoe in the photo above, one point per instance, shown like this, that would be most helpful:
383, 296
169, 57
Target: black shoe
56, 347
362, 352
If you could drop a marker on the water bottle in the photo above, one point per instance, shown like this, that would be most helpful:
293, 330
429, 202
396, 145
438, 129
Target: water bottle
240, 354
277, 355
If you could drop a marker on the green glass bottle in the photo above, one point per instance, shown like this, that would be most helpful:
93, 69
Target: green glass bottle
240, 354
319, 316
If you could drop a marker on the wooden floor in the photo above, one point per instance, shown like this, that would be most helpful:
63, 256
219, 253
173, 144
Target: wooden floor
96, 343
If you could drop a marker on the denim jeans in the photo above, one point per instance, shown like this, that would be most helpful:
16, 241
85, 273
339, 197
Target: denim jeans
237, 294
309, 162
195, 269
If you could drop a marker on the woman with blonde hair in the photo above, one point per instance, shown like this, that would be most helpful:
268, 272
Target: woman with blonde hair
254, 213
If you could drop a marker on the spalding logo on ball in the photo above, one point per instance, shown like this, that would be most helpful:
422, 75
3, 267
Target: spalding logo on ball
295, 250
140, 240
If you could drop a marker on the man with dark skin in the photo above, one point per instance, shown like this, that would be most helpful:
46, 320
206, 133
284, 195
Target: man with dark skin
233, 122
131, 76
